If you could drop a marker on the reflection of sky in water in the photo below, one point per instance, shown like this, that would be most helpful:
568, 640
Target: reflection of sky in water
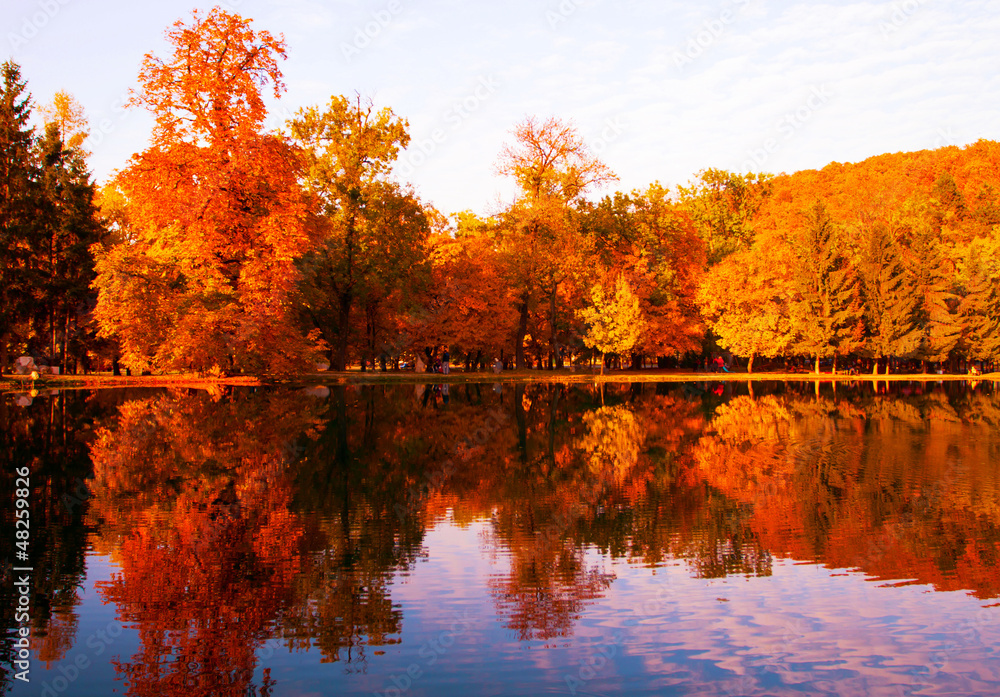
660, 631
644, 541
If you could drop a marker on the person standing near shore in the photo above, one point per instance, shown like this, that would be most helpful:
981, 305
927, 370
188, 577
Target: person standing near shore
444, 361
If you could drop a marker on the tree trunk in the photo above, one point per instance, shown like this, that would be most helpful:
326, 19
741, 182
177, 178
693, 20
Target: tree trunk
65, 338
602, 363
834, 371
817, 364
750, 363
522, 330
875, 366
637, 361
3, 352
339, 358
553, 337
52, 334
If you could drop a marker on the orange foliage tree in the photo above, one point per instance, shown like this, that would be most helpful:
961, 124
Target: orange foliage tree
826, 308
541, 238
216, 211
722, 205
652, 240
467, 306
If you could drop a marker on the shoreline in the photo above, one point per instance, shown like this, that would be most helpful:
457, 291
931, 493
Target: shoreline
21, 384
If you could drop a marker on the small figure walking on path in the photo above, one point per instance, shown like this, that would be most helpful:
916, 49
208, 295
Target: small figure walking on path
444, 361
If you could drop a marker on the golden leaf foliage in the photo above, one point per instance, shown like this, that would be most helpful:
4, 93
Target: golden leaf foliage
373, 232
615, 321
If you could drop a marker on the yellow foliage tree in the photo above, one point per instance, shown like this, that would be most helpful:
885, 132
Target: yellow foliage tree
69, 116
614, 321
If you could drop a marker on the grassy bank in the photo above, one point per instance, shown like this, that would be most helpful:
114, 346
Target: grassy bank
356, 377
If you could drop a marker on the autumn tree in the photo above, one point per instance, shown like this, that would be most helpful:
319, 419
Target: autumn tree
400, 223
372, 232
467, 304
614, 320
746, 301
985, 208
826, 309
651, 239
70, 118
216, 209
979, 308
887, 289
933, 274
723, 205
947, 204
553, 170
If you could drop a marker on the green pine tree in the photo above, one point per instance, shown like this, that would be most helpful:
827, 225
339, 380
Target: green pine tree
69, 225
980, 314
891, 307
18, 199
826, 310
933, 285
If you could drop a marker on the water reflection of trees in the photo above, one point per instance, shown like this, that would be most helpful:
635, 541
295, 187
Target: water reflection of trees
901, 487
191, 497
48, 435
242, 517
356, 473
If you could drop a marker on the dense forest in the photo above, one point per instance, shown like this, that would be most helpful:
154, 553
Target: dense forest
226, 248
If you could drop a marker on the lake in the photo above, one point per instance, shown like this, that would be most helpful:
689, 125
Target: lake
499, 539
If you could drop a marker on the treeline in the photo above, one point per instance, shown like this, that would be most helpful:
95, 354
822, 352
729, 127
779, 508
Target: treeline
227, 248
892, 258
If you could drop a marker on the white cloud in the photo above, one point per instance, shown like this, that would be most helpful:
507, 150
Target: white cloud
901, 72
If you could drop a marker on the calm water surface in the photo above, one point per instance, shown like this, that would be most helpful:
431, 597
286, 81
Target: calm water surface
681, 539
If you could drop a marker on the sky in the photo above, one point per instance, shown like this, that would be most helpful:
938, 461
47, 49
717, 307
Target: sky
659, 90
